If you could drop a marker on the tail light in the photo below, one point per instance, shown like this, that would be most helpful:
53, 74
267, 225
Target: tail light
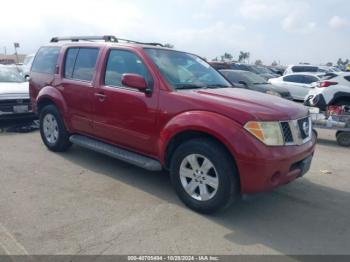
326, 84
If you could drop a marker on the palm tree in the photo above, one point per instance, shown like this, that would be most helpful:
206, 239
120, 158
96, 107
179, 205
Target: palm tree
243, 56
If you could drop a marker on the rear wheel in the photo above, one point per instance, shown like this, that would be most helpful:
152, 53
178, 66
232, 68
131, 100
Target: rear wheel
53, 132
204, 175
343, 138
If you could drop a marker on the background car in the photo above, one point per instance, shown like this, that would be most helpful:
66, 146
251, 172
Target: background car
334, 90
310, 69
298, 84
14, 94
260, 70
249, 80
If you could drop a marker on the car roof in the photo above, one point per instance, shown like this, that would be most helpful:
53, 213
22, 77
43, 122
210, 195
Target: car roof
103, 44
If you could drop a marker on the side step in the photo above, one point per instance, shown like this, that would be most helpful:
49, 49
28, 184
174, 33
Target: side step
116, 152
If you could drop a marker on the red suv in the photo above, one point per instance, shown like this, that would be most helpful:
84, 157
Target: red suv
158, 108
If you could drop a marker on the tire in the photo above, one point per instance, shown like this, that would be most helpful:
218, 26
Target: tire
343, 138
52, 130
204, 198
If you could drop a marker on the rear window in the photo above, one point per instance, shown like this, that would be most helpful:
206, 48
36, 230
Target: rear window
298, 69
45, 60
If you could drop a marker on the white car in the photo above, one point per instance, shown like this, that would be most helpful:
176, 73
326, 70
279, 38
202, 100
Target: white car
298, 84
14, 95
333, 90
310, 69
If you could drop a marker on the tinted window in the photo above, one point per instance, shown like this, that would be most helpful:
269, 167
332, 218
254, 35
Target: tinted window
347, 78
121, 62
309, 79
85, 64
301, 69
71, 56
294, 79
45, 60
185, 71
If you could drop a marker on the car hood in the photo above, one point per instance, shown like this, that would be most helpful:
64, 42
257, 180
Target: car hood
245, 105
14, 89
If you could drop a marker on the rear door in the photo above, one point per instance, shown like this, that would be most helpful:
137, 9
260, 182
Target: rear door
77, 86
126, 116
296, 86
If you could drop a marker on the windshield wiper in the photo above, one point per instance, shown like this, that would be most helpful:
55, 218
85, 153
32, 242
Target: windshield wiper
217, 86
189, 86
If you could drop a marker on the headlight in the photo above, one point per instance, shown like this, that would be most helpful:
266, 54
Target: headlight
269, 133
270, 92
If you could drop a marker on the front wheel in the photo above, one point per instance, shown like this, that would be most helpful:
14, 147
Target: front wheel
204, 175
53, 132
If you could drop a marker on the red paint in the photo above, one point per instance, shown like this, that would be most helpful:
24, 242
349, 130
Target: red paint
146, 122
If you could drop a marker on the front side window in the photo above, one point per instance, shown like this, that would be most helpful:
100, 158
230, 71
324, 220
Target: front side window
185, 71
122, 62
45, 60
80, 63
293, 79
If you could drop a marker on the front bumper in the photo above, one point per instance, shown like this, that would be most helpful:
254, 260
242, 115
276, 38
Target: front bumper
281, 166
16, 108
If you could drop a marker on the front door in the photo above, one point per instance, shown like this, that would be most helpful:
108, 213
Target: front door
126, 116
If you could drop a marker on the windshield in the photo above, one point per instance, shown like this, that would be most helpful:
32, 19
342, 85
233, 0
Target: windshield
246, 76
10, 75
186, 71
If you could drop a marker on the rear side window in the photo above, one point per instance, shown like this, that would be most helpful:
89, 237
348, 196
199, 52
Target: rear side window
121, 62
310, 79
347, 78
46, 60
80, 63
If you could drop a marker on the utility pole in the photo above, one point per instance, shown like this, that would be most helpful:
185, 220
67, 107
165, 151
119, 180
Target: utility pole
16, 45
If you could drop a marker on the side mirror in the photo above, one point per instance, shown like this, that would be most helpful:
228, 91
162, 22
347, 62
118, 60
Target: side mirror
135, 81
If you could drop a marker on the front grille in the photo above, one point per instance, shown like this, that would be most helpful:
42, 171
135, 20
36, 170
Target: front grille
7, 105
287, 132
304, 127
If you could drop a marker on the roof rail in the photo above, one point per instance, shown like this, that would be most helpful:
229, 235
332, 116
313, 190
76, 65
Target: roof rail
106, 38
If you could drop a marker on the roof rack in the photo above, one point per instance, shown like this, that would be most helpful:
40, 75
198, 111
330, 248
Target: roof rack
106, 38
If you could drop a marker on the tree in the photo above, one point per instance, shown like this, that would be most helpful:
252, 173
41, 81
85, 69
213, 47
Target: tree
329, 64
226, 57
274, 63
215, 59
168, 45
258, 62
243, 56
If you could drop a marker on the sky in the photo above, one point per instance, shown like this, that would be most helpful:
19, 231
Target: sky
287, 31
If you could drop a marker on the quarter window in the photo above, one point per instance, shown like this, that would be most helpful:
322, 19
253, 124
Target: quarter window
46, 60
121, 62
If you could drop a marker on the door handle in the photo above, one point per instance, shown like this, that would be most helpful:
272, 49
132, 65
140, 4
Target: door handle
100, 96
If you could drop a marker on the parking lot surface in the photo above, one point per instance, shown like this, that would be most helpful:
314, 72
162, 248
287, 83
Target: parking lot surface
82, 202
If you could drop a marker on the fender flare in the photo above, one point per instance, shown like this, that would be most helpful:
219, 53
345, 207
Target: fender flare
216, 125
52, 94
